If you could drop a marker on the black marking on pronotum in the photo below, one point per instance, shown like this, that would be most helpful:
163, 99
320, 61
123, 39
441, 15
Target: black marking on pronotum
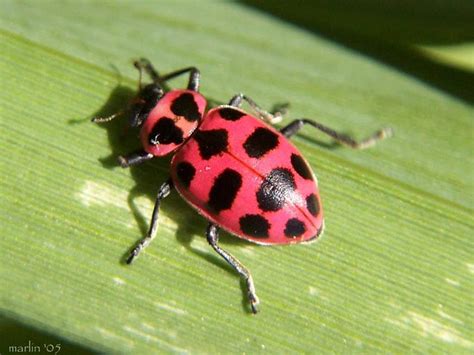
312, 204
225, 189
301, 167
185, 106
294, 228
260, 142
254, 225
185, 172
212, 142
230, 114
165, 132
275, 189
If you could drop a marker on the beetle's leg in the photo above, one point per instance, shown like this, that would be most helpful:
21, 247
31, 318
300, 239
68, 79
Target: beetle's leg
194, 74
163, 192
194, 77
212, 234
134, 158
296, 125
272, 118
143, 64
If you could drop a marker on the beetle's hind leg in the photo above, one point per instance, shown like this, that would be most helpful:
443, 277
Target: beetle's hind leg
292, 128
212, 235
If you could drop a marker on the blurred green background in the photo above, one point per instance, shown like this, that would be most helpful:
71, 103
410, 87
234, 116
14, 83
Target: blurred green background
394, 270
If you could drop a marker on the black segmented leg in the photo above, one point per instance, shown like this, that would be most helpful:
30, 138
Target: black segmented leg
272, 118
194, 74
143, 64
296, 125
194, 77
212, 235
163, 192
134, 158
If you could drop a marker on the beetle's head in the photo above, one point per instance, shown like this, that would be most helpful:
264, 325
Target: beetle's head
143, 103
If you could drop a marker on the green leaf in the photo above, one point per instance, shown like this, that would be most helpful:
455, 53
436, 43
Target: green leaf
393, 272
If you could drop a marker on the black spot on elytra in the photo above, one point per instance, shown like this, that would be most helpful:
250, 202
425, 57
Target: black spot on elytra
301, 167
165, 132
312, 204
275, 189
260, 142
185, 106
212, 142
254, 225
225, 189
185, 172
230, 114
294, 228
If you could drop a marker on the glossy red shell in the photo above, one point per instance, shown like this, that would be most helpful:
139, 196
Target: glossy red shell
163, 111
201, 164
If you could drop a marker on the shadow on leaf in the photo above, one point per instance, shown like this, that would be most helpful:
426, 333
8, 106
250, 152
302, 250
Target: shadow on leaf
391, 32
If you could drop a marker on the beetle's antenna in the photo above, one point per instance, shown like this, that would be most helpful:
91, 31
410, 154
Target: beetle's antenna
108, 118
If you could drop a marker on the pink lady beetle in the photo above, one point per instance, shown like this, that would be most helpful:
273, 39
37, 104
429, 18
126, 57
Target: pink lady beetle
234, 169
